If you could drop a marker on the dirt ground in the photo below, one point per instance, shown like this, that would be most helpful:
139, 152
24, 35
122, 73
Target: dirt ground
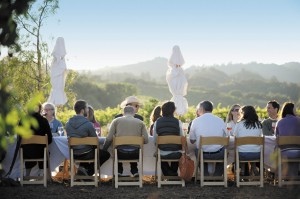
149, 190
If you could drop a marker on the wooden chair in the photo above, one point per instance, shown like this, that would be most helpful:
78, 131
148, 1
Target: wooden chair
281, 141
161, 179
125, 180
253, 141
224, 141
35, 139
78, 179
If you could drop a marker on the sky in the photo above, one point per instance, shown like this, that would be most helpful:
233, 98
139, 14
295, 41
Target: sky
100, 33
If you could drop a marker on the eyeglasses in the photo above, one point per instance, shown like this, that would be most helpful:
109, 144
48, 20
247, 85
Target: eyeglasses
235, 110
48, 109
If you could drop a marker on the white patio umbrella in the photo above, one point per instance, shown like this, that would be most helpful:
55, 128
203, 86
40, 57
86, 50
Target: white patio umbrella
58, 73
177, 82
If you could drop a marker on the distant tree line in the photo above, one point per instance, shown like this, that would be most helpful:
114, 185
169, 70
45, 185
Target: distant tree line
225, 91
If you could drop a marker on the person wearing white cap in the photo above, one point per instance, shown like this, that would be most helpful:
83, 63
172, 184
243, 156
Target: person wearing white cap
135, 103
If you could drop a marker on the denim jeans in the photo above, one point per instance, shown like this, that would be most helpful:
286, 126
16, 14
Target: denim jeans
219, 167
290, 169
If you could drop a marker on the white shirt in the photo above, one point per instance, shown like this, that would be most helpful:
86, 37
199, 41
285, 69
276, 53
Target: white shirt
207, 125
241, 131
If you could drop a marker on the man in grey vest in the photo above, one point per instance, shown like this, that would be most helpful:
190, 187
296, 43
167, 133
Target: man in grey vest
168, 125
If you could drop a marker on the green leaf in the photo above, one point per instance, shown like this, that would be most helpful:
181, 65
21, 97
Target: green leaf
12, 117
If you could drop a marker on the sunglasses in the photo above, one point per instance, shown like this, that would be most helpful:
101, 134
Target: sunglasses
235, 110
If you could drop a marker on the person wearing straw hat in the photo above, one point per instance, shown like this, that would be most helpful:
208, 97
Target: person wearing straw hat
135, 103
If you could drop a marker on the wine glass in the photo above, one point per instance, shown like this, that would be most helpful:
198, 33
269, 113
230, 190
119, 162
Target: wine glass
273, 125
97, 129
51, 125
185, 127
61, 130
229, 128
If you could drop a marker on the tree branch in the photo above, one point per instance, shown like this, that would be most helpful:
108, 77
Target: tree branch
25, 27
32, 18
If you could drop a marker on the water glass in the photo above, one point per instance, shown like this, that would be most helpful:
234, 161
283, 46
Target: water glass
97, 129
61, 131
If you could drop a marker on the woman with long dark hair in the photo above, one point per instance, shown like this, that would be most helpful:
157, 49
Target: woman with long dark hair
289, 125
156, 113
249, 125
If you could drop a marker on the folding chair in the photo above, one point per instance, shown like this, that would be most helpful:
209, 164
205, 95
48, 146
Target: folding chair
224, 141
253, 141
281, 141
78, 179
35, 139
125, 180
161, 179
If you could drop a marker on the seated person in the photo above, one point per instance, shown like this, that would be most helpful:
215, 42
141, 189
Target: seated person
33, 151
79, 126
135, 103
168, 125
268, 125
127, 125
249, 125
92, 119
156, 113
50, 114
207, 125
232, 118
289, 125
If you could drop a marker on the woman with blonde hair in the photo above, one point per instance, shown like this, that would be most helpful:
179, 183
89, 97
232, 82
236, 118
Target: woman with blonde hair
232, 118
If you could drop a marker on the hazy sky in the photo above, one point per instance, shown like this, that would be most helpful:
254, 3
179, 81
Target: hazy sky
102, 33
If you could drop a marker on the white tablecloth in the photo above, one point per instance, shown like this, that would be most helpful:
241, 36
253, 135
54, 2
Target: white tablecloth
59, 152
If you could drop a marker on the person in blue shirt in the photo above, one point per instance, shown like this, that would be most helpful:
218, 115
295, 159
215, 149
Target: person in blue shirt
49, 113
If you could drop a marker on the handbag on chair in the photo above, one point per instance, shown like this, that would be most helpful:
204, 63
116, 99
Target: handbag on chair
186, 164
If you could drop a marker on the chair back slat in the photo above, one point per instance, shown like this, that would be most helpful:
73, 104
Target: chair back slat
172, 139
214, 141
83, 141
249, 140
128, 140
35, 139
287, 140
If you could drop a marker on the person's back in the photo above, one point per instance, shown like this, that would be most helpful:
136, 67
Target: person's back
42, 129
165, 126
79, 126
288, 126
127, 126
241, 131
32, 151
207, 125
